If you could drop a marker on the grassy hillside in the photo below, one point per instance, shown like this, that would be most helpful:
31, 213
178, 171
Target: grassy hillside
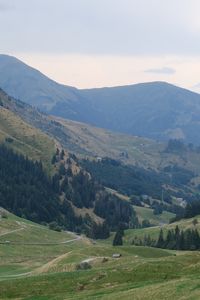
154, 231
26, 246
25, 139
144, 213
37, 263
90, 141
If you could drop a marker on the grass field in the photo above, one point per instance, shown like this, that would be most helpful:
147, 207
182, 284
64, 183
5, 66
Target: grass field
41, 264
25, 246
147, 213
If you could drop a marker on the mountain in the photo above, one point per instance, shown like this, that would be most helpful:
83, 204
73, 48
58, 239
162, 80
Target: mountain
62, 192
153, 164
156, 110
29, 85
21, 136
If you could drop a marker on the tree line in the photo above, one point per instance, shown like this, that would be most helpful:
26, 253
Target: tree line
27, 191
174, 239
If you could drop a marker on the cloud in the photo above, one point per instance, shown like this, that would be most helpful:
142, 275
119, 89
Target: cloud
164, 71
5, 6
106, 27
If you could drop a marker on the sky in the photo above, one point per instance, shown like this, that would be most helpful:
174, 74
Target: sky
95, 43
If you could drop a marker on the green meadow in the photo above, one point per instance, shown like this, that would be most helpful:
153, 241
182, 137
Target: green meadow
38, 263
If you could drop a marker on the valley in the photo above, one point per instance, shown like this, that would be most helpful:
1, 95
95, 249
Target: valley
68, 187
99, 150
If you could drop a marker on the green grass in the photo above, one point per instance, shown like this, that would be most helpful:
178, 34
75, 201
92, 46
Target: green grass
92, 141
29, 245
147, 213
127, 277
26, 140
50, 271
154, 231
38, 271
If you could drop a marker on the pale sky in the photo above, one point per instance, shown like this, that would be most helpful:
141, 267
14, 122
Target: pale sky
94, 43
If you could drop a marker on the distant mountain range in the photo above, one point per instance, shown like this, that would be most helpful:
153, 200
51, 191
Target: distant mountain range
130, 165
155, 110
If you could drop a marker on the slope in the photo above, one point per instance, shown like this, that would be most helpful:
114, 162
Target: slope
156, 110
153, 232
71, 192
27, 84
90, 141
85, 270
26, 246
151, 160
22, 137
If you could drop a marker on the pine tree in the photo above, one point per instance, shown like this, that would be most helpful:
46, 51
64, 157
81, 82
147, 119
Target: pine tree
160, 242
118, 241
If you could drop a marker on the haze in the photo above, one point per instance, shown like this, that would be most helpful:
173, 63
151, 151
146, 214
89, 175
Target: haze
92, 43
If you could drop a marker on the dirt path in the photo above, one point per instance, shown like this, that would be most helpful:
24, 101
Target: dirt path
8, 232
45, 268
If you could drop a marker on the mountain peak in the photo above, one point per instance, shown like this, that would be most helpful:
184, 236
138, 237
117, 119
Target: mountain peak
157, 110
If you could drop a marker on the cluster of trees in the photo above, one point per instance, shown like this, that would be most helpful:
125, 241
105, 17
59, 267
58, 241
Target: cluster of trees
192, 209
25, 189
96, 231
84, 190
28, 192
179, 147
176, 146
178, 176
179, 240
115, 211
128, 180
174, 239
132, 180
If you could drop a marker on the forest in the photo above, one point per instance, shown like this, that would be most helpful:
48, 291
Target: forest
27, 191
173, 239
137, 181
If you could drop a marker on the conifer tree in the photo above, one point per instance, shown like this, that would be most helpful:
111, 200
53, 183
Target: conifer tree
118, 241
160, 241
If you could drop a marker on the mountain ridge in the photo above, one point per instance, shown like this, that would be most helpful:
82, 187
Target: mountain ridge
156, 110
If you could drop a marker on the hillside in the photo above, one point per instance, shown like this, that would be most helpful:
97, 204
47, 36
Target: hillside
155, 110
153, 232
26, 246
32, 87
89, 141
154, 165
69, 196
22, 137
38, 263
